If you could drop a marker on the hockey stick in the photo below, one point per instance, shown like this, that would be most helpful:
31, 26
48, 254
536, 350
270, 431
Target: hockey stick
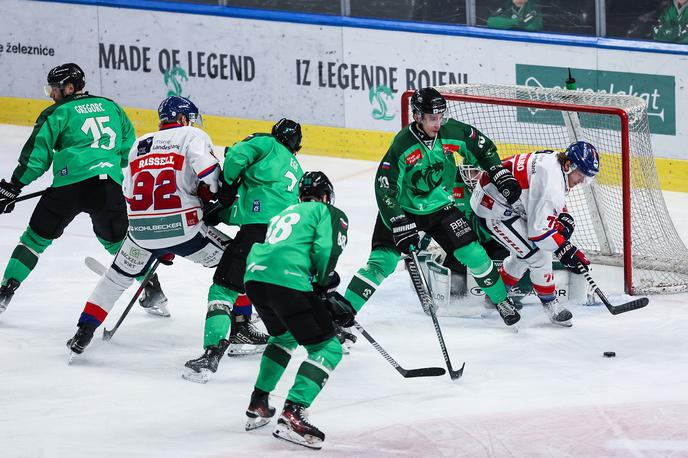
420, 284
107, 334
616, 309
5, 202
406, 373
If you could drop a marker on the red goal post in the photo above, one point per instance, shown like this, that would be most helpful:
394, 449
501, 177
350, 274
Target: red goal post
621, 219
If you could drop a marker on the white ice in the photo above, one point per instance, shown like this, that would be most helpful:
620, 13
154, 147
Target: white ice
544, 392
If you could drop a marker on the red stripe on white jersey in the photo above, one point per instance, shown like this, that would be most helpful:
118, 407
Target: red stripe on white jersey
520, 169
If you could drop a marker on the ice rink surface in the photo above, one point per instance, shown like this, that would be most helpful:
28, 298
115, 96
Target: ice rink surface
542, 392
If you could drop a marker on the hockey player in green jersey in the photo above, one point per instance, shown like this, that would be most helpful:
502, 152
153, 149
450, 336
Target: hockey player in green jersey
292, 281
261, 175
413, 187
86, 139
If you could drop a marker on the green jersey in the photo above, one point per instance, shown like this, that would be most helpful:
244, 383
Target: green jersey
417, 176
511, 17
301, 247
269, 175
672, 25
82, 136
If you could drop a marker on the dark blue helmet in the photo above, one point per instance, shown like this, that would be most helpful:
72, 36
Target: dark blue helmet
584, 157
173, 106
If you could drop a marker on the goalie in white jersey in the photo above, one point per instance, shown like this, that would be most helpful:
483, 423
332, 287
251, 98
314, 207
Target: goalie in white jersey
171, 174
538, 224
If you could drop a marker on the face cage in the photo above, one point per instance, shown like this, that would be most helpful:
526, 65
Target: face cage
470, 175
587, 180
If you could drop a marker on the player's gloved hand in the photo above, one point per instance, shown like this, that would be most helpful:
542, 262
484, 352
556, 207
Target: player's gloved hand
211, 213
405, 234
505, 182
343, 313
204, 193
565, 225
9, 190
167, 259
572, 258
227, 192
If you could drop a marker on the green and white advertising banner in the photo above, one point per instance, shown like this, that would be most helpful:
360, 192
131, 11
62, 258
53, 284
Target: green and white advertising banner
658, 91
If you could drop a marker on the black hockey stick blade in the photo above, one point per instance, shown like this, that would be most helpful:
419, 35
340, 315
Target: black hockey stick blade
423, 372
627, 306
406, 373
620, 308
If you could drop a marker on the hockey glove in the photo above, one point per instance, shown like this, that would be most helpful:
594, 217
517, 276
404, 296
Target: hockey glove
8, 192
405, 234
211, 213
572, 258
505, 182
204, 193
341, 310
565, 225
167, 259
227, 192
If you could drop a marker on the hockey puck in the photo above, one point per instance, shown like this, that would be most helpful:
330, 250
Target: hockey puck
609, 354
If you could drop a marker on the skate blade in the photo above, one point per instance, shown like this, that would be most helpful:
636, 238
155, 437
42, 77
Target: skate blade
255, 423
563, 324
158, 310
71, 357
196, 377
245, 349
288, 435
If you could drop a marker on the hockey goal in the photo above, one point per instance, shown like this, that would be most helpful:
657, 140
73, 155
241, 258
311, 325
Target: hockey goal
622, 218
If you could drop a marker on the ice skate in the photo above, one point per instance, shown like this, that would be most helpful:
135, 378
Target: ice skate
557, 314
293, 426
259, 411
245, 338
81, 339
508, 312
152, 298
346, 338
200, 370
6, 293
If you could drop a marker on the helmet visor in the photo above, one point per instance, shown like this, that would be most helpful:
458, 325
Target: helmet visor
195, 120
48, 89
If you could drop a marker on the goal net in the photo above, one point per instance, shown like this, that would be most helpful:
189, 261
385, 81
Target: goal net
621, 219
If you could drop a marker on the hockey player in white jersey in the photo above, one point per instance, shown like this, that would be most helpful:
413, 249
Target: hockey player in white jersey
538, 224
171, 173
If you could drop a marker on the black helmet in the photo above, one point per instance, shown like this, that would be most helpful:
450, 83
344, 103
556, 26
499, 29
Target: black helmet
288, 133
314, 185
427, 100
67, 73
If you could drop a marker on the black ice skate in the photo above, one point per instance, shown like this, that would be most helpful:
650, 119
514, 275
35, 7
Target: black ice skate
507, 310
259, 411
6, 293
293, 426
199, 370
81, 339
346, 338
557, 314
152, 298
244, 337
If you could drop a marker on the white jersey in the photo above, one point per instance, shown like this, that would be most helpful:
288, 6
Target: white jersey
543, 196
161, 184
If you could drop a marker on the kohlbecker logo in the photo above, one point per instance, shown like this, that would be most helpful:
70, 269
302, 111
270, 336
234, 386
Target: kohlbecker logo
658, 91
